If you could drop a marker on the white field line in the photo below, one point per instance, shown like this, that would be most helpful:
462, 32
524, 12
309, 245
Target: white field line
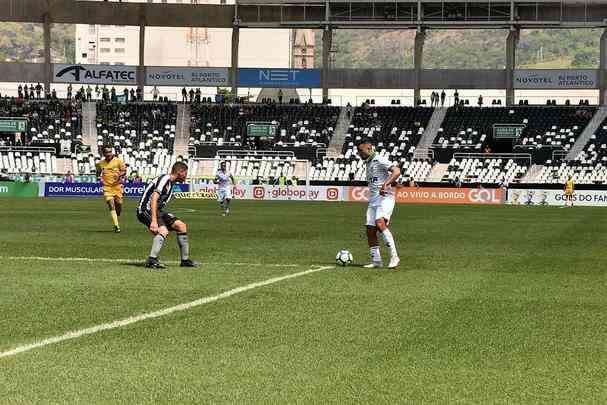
151, 315
103, 260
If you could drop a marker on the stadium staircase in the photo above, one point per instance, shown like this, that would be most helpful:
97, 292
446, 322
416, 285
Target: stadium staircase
182, 135
437, 172
436, 121
590, 129
532, 174
341, 130
89, 124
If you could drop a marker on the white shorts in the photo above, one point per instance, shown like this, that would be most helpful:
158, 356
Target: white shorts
381, 209
224, 194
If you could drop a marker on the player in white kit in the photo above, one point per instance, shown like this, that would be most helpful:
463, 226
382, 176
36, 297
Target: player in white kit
381, 173
225, 182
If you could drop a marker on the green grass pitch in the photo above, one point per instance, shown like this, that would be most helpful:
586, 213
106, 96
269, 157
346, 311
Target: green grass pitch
490, 305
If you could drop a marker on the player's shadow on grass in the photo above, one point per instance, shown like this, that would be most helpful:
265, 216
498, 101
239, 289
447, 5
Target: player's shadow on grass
322, 264
133, 264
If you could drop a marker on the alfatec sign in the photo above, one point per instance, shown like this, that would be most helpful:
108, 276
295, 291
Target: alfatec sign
95, 74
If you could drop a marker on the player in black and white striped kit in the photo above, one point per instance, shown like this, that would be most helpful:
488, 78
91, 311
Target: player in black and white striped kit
156, 196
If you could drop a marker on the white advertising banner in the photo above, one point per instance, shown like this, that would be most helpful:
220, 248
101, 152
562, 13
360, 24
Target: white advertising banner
269, 193
298, 193
593, 198
196, 77
556, 79
94, 74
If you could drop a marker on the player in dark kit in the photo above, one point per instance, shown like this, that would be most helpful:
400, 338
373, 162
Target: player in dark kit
156, 196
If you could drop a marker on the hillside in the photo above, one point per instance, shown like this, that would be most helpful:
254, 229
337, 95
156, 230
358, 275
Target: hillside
461, 49
464, 49
24, 43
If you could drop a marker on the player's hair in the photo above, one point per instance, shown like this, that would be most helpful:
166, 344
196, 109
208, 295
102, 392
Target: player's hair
178, 166
104, 147
365, 141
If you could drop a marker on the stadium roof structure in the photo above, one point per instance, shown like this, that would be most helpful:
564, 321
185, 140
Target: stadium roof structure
329, 15
433, 14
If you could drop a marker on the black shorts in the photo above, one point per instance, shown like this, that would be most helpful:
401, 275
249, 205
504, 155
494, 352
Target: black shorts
164, 218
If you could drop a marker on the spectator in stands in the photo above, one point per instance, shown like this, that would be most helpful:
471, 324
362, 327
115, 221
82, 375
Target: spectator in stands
133, 95
443, 96
280, 94
54, 94
155, 93
191, 93
69, 91
20, 91
198, 95
97, 92
488, 150
89, 93
184, 95
139, 94
480, 100
457, 182
456, 98
4, 175
32, 89
349, 110
38, 90
113, 94
69, 177
105, 93
125, 93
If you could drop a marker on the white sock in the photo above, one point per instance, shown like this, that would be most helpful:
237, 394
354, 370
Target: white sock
389, 239
375, 254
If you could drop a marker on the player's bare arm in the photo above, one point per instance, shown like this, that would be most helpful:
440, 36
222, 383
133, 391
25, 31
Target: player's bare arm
394, 174
154, 213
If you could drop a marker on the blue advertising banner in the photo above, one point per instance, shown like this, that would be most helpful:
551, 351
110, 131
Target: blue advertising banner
272, 77
134, 190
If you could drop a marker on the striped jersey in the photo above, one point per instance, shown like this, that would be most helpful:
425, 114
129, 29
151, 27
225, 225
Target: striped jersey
378, 170
164, 186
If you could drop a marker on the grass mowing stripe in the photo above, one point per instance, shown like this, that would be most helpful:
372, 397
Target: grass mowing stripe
102, 260
156, 314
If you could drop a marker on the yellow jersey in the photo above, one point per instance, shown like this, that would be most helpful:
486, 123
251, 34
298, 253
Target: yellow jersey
111, 171
569, 186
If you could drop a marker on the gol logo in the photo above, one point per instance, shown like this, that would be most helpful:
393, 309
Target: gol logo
259, 192
359, 194
332, 193
484, 196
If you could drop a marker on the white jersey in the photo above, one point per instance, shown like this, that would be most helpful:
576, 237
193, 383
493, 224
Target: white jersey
223, 179
378, 170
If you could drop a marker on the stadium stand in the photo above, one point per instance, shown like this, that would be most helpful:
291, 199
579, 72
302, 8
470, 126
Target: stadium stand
49, 122
546, 129
301, 129
54, 128
588, 167
143, 135
395, 132
493, 170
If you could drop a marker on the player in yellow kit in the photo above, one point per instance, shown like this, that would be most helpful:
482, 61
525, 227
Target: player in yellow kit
111, 171
569, 188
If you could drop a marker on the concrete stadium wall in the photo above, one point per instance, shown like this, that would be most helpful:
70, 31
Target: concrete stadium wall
21, 72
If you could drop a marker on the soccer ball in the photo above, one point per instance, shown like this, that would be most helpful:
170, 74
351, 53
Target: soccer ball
344, 258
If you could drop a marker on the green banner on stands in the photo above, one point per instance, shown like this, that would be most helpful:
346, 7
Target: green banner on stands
16, 189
